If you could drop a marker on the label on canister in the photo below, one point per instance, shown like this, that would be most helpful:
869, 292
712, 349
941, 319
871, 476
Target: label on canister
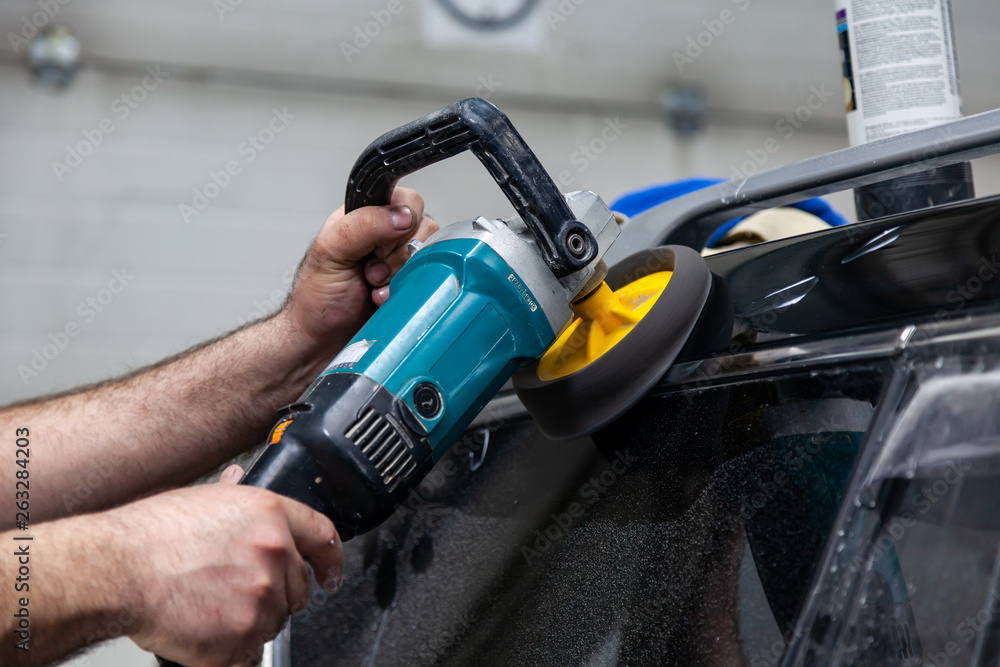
899, 66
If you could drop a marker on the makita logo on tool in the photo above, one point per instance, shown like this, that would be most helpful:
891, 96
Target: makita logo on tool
524, 292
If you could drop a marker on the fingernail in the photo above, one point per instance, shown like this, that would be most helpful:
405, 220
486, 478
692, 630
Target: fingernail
383, 293
402, 217
378, 272
230, 473
333, 581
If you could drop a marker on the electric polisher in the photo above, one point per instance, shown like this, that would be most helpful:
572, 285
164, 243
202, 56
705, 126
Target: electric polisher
478, 302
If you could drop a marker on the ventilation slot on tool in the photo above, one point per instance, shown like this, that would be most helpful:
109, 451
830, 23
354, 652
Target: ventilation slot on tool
378, 440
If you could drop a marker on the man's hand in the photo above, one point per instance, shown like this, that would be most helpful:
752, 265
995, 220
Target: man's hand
173, 422
346, 273
203, 576
200, 575
221, 568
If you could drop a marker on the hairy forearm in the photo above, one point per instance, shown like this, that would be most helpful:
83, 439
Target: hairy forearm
64, 589
163, 426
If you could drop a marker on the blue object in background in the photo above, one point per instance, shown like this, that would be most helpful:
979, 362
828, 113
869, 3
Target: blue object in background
639, 201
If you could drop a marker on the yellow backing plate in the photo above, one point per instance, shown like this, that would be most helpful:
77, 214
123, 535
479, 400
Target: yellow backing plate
602, 319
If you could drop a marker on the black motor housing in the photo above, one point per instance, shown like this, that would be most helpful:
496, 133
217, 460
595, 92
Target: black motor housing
349, 449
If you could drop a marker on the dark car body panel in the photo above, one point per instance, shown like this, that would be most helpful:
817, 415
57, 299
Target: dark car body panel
743, 512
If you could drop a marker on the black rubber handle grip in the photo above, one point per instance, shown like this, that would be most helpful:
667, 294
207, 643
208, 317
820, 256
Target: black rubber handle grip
474, 124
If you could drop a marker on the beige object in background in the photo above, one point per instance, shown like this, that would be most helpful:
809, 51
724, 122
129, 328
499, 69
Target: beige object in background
770, 225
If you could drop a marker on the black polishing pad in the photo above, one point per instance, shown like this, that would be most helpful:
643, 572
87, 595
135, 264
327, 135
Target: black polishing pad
582, 402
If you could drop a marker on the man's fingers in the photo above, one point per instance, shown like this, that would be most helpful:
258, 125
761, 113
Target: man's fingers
421, 232
400, 255
317, 540
275, 609
377, 272
411, 199
389, 266
297, 585
347, 239
427, 227
380, 269
396, 256
231, 475
380, 295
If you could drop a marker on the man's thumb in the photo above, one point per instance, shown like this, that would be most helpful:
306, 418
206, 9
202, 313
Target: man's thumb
354, 236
